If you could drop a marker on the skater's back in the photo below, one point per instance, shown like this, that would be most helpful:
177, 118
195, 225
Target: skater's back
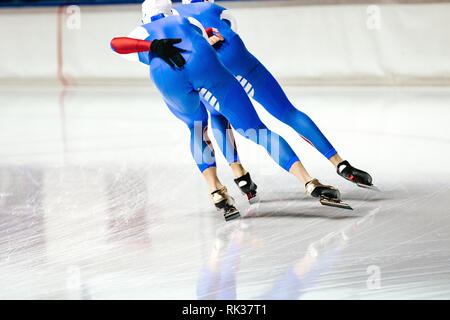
232, 51
209, 15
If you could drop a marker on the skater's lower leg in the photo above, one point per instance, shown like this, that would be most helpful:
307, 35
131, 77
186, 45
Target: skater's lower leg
238, 169
224, 136
336, 160
271, 96
211, 179
219, 194
299, 171
225, 139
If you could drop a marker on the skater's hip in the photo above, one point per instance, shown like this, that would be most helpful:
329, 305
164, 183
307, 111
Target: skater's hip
235, 56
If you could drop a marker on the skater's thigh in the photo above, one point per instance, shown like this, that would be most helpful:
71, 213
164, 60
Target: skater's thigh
238, 109
218, 120
207, 72
199, 113
235, 56
225, 94
176, 89
265, 89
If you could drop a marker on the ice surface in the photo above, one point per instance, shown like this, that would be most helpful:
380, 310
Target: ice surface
99, 199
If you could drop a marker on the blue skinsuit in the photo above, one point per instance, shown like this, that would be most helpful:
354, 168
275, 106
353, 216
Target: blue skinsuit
203, 73
256, 79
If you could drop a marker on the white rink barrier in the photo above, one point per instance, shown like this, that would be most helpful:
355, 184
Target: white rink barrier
386, 44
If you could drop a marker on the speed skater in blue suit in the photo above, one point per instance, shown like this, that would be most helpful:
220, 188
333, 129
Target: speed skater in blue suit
192, 69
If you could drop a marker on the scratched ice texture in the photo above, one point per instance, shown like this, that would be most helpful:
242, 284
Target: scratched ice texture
100, 199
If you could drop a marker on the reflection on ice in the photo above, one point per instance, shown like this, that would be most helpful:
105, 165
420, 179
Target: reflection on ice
217, 280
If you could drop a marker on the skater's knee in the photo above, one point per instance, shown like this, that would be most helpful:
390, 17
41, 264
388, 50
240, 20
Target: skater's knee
290, 113
295, 116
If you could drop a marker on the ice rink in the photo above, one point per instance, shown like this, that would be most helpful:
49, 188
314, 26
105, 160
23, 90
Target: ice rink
100, 199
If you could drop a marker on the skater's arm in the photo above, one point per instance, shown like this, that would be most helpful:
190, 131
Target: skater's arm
125, 45
117, 46
163, 48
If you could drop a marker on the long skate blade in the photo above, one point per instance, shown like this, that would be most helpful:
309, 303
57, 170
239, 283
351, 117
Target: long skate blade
371, 187
335, 203
233, 216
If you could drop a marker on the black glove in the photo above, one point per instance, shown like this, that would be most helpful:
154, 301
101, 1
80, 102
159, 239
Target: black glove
165, 50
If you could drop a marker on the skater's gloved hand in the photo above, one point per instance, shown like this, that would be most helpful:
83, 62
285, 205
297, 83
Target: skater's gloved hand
166, 50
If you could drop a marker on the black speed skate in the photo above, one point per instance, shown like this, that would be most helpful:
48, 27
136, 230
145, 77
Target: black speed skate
247, 187
328, 195
359, 177
224, 203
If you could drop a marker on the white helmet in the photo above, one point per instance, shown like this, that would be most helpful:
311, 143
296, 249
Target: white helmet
152, 8
191, 1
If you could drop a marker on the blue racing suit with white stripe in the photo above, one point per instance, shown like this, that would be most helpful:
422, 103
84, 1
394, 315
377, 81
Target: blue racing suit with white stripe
204, 75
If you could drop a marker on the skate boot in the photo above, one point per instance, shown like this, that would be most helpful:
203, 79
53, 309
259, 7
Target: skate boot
361, 178
247, 187
224, 203
328, 195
